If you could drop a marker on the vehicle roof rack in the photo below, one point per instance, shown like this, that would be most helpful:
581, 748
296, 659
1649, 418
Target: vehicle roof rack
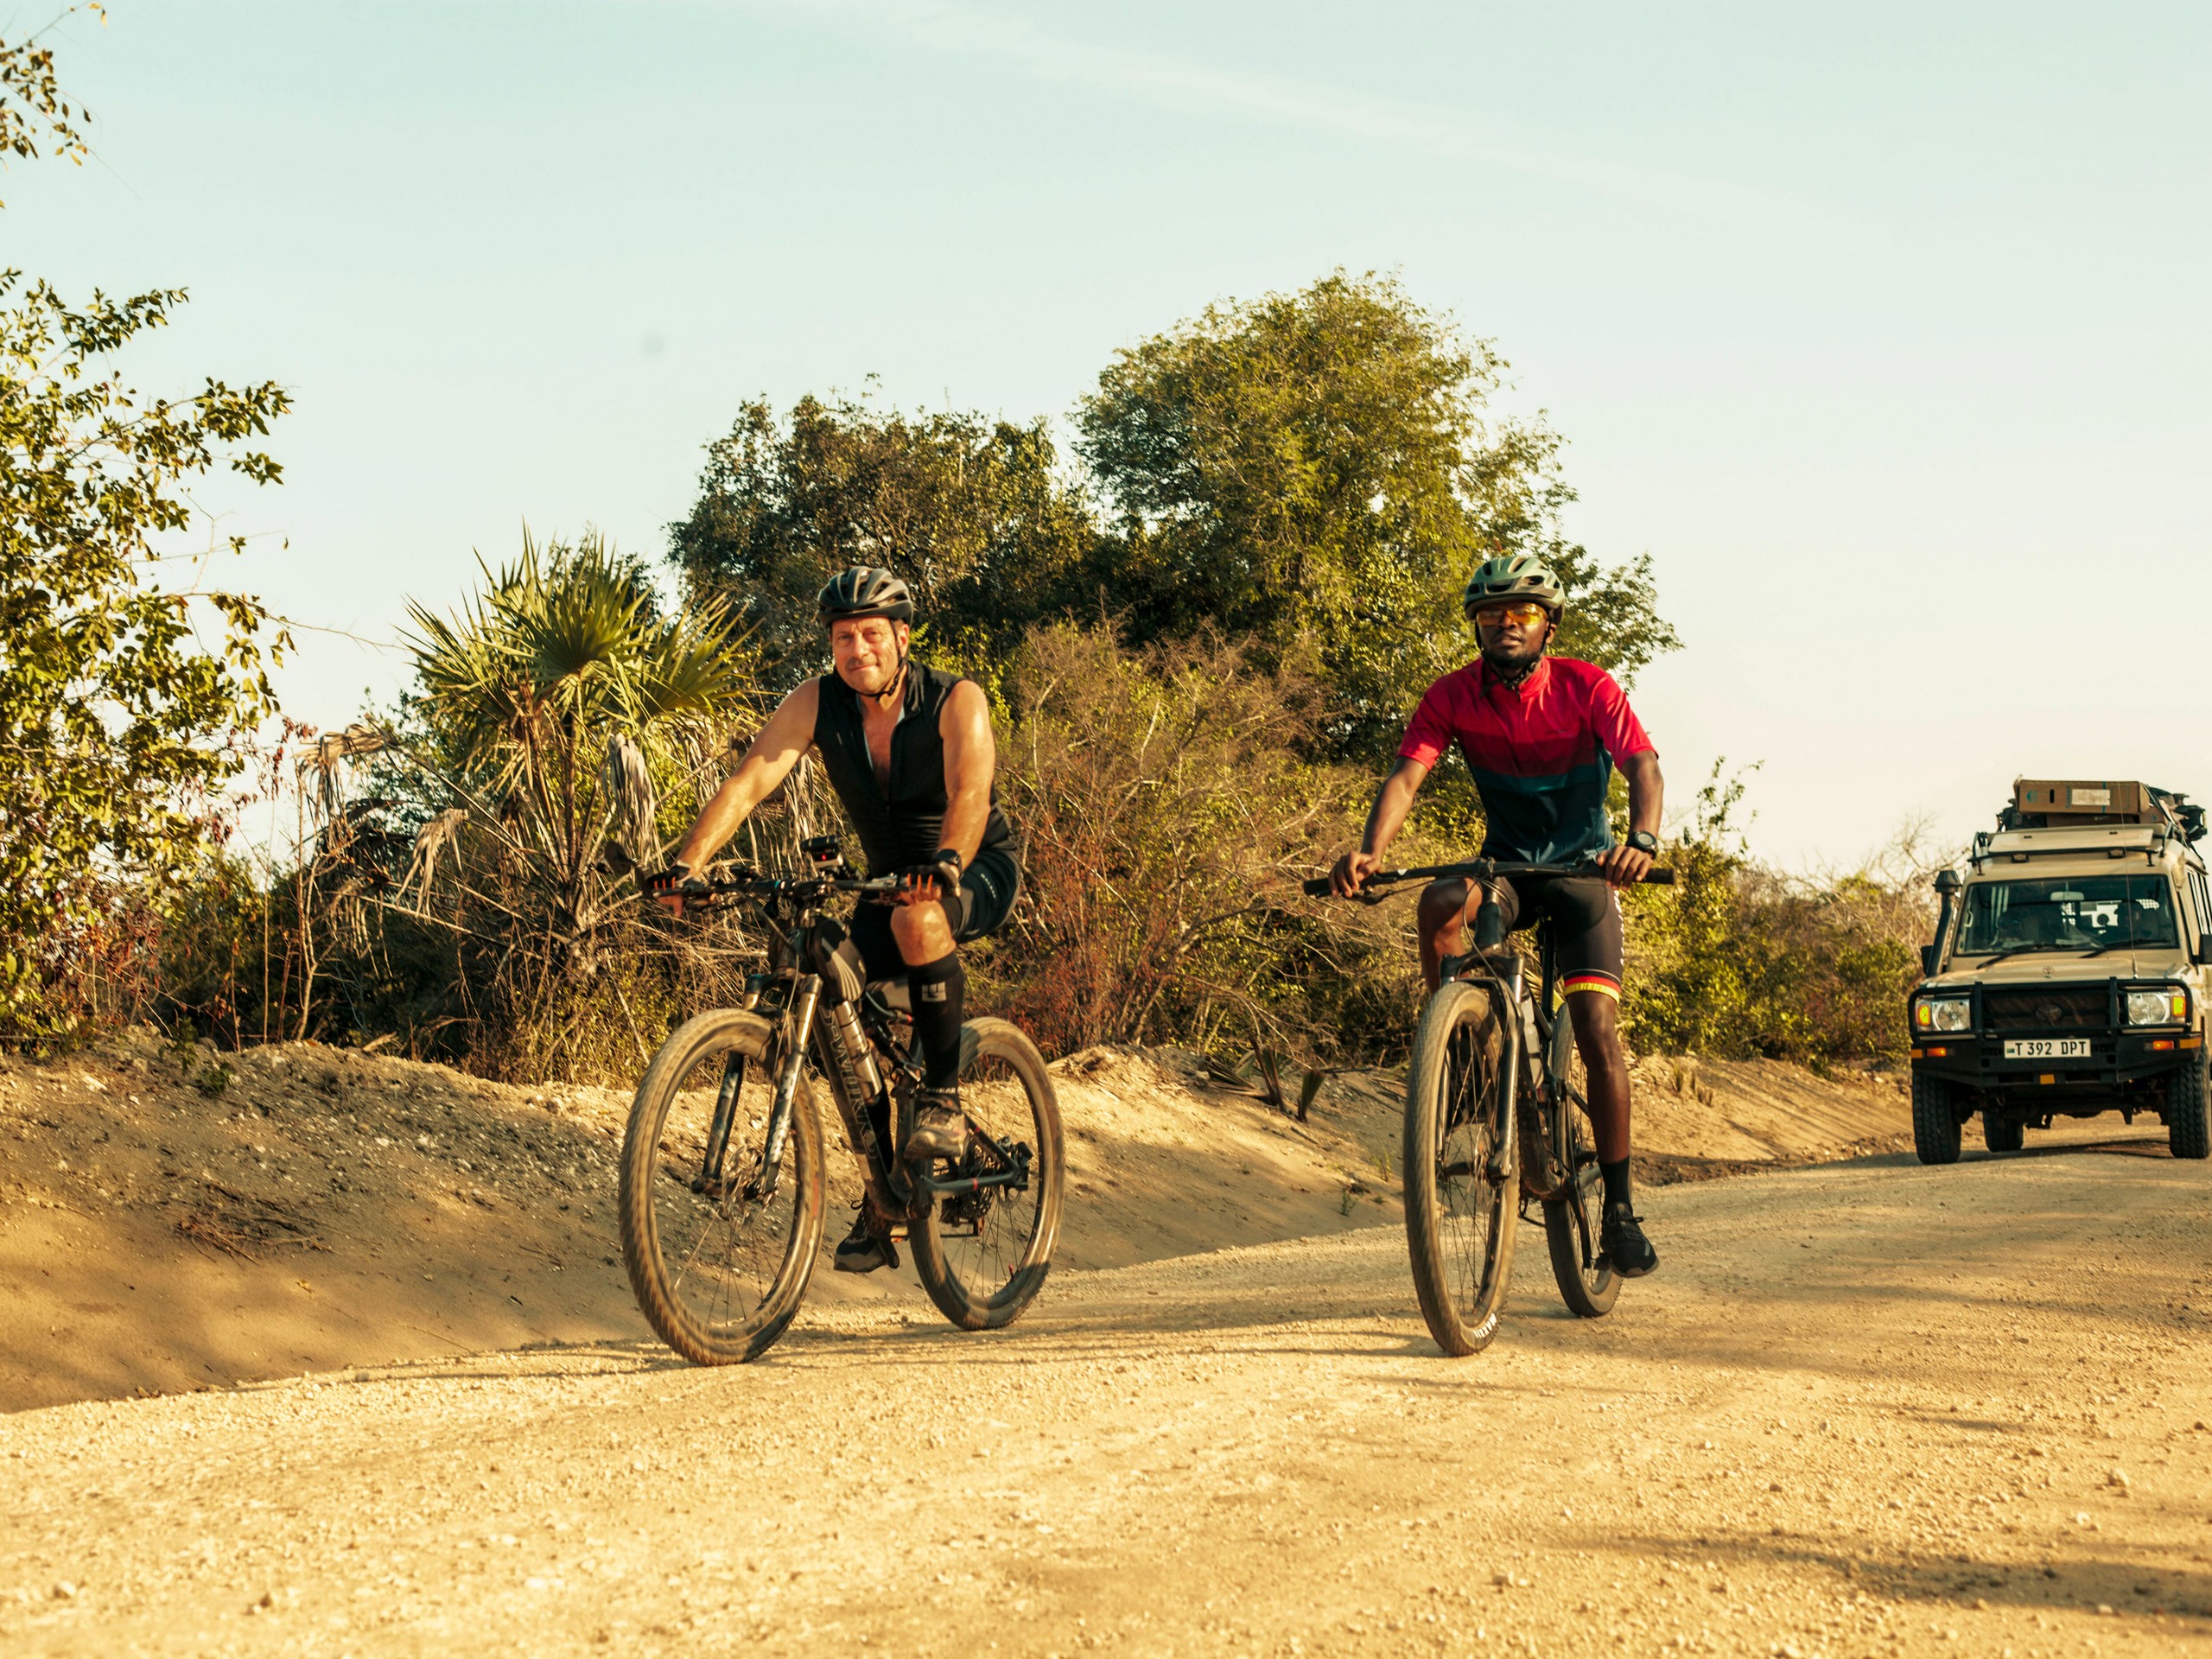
2044, 803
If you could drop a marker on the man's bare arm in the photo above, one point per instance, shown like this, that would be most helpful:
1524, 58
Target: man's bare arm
971, 760
1392, 802
1647, 798
786, 736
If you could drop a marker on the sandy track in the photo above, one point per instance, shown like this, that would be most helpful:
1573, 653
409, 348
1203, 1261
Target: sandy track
1865, 1409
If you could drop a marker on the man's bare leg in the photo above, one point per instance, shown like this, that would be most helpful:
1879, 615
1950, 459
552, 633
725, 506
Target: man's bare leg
1441, 922
1598, 1034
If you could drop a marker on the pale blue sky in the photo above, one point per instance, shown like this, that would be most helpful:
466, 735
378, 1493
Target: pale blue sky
1881, 327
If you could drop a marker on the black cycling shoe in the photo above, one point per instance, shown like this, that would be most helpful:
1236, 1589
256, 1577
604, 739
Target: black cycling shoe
940, 1127
1621, 1241
864, 1249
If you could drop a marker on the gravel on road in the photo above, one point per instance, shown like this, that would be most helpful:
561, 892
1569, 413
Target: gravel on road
1863, 1408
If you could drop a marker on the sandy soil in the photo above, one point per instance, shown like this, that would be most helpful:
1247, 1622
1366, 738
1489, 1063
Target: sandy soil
173, 1219
1863, 1408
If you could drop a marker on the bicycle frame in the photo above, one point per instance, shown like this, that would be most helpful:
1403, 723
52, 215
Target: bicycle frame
790, 909
1540, 1025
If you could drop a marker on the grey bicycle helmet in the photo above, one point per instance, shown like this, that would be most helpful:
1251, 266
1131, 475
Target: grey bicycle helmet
1517, 575
864, 590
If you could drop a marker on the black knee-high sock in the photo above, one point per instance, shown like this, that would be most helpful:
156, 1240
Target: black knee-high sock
940, 990
1616, 1178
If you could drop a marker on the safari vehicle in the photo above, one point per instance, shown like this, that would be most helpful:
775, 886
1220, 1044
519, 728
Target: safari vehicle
2068, 975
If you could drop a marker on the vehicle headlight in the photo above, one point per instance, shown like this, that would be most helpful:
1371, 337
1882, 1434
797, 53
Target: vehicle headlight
1944, 1014
2164, 1005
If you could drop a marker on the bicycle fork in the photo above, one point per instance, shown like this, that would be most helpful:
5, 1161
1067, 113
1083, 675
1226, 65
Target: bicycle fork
796, 1024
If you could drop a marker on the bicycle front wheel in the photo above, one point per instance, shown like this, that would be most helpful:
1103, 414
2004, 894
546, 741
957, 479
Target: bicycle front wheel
720, 1247
1461, 1186
1587, 1283
982, 1257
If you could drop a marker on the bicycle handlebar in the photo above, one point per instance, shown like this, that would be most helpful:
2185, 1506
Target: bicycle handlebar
1474, 869
778, 886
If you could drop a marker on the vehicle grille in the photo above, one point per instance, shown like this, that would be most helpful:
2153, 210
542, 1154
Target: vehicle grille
2048, 1007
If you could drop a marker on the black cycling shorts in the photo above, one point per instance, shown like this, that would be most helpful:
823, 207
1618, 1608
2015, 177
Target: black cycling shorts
1585, 918
985, 900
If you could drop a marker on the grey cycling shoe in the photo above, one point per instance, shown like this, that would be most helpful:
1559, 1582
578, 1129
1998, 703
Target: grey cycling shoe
940, 1127
864, 1249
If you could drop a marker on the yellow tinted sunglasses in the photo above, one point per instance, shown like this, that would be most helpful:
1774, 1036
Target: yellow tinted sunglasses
1497, 616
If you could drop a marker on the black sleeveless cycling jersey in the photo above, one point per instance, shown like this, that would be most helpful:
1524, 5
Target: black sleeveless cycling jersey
901, 825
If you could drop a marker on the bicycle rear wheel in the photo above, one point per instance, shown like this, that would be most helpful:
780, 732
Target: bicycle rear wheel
982, 1257
1586, 1281
719, 1268
1461, 1189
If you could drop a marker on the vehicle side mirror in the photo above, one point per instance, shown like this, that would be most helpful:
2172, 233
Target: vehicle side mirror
1928, 955
2202, 954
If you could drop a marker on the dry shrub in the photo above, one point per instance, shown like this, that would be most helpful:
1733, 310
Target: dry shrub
1169, 813
1740, 961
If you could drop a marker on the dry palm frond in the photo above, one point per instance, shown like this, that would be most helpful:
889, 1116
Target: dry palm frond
325, 764
626, 783
431, 841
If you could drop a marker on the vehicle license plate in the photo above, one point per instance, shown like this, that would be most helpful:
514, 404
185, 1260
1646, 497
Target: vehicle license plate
2047, 1048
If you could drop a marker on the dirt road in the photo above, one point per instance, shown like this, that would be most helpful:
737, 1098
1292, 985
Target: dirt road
1863, 1408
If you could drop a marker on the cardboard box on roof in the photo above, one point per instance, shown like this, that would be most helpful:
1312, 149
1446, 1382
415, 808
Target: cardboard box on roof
2080, 800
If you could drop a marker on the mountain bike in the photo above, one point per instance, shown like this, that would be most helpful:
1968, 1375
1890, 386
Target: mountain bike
722, 1178
1486, 1037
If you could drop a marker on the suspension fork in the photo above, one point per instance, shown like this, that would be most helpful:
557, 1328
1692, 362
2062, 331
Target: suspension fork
798, 1025
726, 1099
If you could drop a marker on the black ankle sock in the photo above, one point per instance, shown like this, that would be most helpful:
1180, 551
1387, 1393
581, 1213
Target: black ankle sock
1616, 1176
939, 992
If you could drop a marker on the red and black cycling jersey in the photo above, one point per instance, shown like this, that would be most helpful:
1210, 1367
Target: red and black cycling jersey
1541, 753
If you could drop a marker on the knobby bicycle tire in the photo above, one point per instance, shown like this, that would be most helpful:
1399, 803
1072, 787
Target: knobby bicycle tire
983, 1258
718, 1277
1590, 1290
1462, 1200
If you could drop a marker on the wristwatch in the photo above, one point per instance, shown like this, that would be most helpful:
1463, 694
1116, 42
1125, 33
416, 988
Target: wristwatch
1645, 842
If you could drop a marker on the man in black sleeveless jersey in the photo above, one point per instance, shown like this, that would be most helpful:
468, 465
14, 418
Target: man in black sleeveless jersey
910, 752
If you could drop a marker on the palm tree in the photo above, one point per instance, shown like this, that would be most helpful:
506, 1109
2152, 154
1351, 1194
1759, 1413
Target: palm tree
556, 713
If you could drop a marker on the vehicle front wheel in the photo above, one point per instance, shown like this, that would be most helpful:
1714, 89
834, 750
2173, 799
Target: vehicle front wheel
1935, 1125
2185, 1124
2002, 1134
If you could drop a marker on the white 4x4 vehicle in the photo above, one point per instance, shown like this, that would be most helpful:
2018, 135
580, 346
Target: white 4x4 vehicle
2068, 977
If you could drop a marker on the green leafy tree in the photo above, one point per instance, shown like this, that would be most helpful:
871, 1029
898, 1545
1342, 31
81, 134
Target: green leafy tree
1321, 470
972, 512
119, 717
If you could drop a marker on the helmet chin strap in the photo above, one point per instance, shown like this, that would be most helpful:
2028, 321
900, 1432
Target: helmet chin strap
894, 686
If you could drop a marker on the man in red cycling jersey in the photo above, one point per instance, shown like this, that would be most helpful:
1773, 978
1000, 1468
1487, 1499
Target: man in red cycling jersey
1541, 736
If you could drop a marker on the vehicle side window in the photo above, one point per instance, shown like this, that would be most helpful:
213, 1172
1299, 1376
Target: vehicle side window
2201, 897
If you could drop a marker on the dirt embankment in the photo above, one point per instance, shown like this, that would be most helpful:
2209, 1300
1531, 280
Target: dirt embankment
172, 1219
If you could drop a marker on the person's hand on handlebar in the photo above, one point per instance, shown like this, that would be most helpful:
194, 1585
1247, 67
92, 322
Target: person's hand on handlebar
937, 880
1625, 866
666, 886
1352, 872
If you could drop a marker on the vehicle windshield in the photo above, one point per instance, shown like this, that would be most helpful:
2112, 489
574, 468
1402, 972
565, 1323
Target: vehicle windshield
2067, 912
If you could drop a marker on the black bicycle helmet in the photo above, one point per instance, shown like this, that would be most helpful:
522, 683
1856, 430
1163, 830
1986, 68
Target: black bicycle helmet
1517, 575
864, 590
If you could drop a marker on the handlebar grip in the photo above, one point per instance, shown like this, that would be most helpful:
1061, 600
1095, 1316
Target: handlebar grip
1316, 888
1659, 877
